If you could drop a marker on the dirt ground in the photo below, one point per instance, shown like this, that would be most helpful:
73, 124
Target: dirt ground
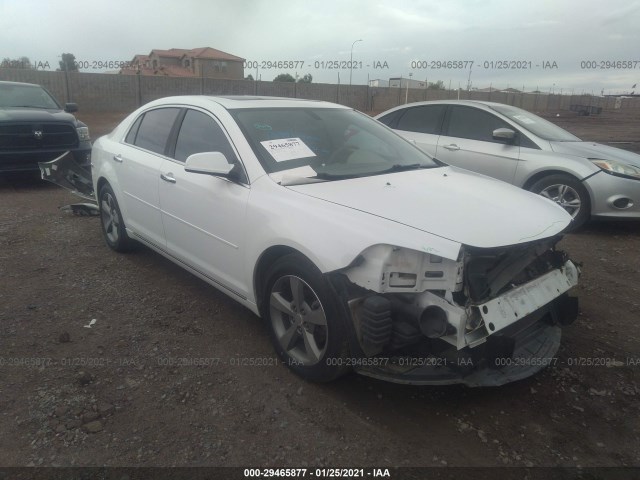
127, 360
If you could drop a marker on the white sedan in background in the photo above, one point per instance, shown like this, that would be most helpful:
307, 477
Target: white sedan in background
359, 250
587, 179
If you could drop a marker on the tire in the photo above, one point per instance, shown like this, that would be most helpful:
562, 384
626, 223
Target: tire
307, 329
567, 192
113, 229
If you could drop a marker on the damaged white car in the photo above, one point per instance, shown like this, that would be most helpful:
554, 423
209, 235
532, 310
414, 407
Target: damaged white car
359, 250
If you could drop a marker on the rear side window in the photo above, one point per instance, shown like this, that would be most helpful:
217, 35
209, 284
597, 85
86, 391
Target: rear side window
474, 124
131, 136
389, 118
200, 133
425, 119
155, 128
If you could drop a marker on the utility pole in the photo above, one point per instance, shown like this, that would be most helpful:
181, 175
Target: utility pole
351, 61
406, 95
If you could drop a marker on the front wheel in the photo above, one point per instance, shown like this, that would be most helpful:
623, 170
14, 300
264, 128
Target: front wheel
567, 192
304, 318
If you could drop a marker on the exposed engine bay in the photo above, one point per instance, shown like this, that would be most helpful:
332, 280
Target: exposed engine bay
489, 317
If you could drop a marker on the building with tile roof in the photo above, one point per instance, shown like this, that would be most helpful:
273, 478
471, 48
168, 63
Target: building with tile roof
179, 62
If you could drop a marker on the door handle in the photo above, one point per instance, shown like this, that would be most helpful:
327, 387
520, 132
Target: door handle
168, 177
453, 147
118, 158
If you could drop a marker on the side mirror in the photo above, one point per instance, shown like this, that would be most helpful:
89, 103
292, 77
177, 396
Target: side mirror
209, 163
70, 107
505, 134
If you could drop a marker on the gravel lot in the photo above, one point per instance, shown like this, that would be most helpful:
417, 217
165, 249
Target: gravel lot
120, 394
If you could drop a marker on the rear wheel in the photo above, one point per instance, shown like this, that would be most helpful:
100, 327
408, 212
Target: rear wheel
304, 318
567, 192
111, 221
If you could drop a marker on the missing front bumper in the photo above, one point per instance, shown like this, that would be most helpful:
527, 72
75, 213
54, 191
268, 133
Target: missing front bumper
503, 360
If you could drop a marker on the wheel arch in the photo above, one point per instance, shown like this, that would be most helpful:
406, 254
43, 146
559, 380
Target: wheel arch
265, 261
538, 176
545, 173
102, 181
272, 255
122, 243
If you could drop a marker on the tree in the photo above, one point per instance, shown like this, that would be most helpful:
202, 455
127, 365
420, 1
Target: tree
21, 62
284, 77
306, 79
439, 85
68, 63
249, 77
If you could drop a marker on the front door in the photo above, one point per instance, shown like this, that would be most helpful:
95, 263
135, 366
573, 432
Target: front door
203, 215
467, 142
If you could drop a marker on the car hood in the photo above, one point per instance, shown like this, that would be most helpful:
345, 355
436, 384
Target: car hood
449, 202
596, 150
32, 115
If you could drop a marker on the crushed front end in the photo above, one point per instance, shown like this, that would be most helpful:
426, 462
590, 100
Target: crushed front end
489, 317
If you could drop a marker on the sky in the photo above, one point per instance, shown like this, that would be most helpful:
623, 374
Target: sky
580, 46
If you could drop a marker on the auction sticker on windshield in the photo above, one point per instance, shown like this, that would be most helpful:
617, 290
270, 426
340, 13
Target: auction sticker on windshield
287, 149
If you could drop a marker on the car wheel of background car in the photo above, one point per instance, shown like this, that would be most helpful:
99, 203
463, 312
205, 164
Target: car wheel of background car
111, 221
306, 326
567, 192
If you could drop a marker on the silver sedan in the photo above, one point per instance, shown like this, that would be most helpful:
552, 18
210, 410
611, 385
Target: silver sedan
587, 179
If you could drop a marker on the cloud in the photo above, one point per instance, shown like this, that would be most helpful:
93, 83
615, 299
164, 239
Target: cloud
542, 23
621, 14
395, 31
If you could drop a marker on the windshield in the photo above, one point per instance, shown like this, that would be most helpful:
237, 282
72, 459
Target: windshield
29, 96
536, 125
326, 144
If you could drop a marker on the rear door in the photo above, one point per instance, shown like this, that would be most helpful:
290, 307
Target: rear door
467, 141
137, 164
203, 215
422, 125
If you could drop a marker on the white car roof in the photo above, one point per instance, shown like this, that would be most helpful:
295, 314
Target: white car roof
246, 101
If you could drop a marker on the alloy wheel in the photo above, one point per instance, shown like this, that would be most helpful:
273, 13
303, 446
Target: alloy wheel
298, 320
110, 218
565, 196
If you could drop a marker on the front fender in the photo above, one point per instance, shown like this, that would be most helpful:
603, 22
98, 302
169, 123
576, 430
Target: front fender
534, 163
330, 235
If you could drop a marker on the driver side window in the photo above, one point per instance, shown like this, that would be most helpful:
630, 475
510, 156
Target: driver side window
474, 124
200, 133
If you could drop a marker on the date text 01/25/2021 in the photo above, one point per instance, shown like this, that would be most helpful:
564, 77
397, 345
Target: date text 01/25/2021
521, 64
317, 64
317, 472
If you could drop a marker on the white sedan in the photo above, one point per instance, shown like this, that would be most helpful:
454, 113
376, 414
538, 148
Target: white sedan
359, 250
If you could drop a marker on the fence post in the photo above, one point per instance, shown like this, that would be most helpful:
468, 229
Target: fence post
66, 84
368, 102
